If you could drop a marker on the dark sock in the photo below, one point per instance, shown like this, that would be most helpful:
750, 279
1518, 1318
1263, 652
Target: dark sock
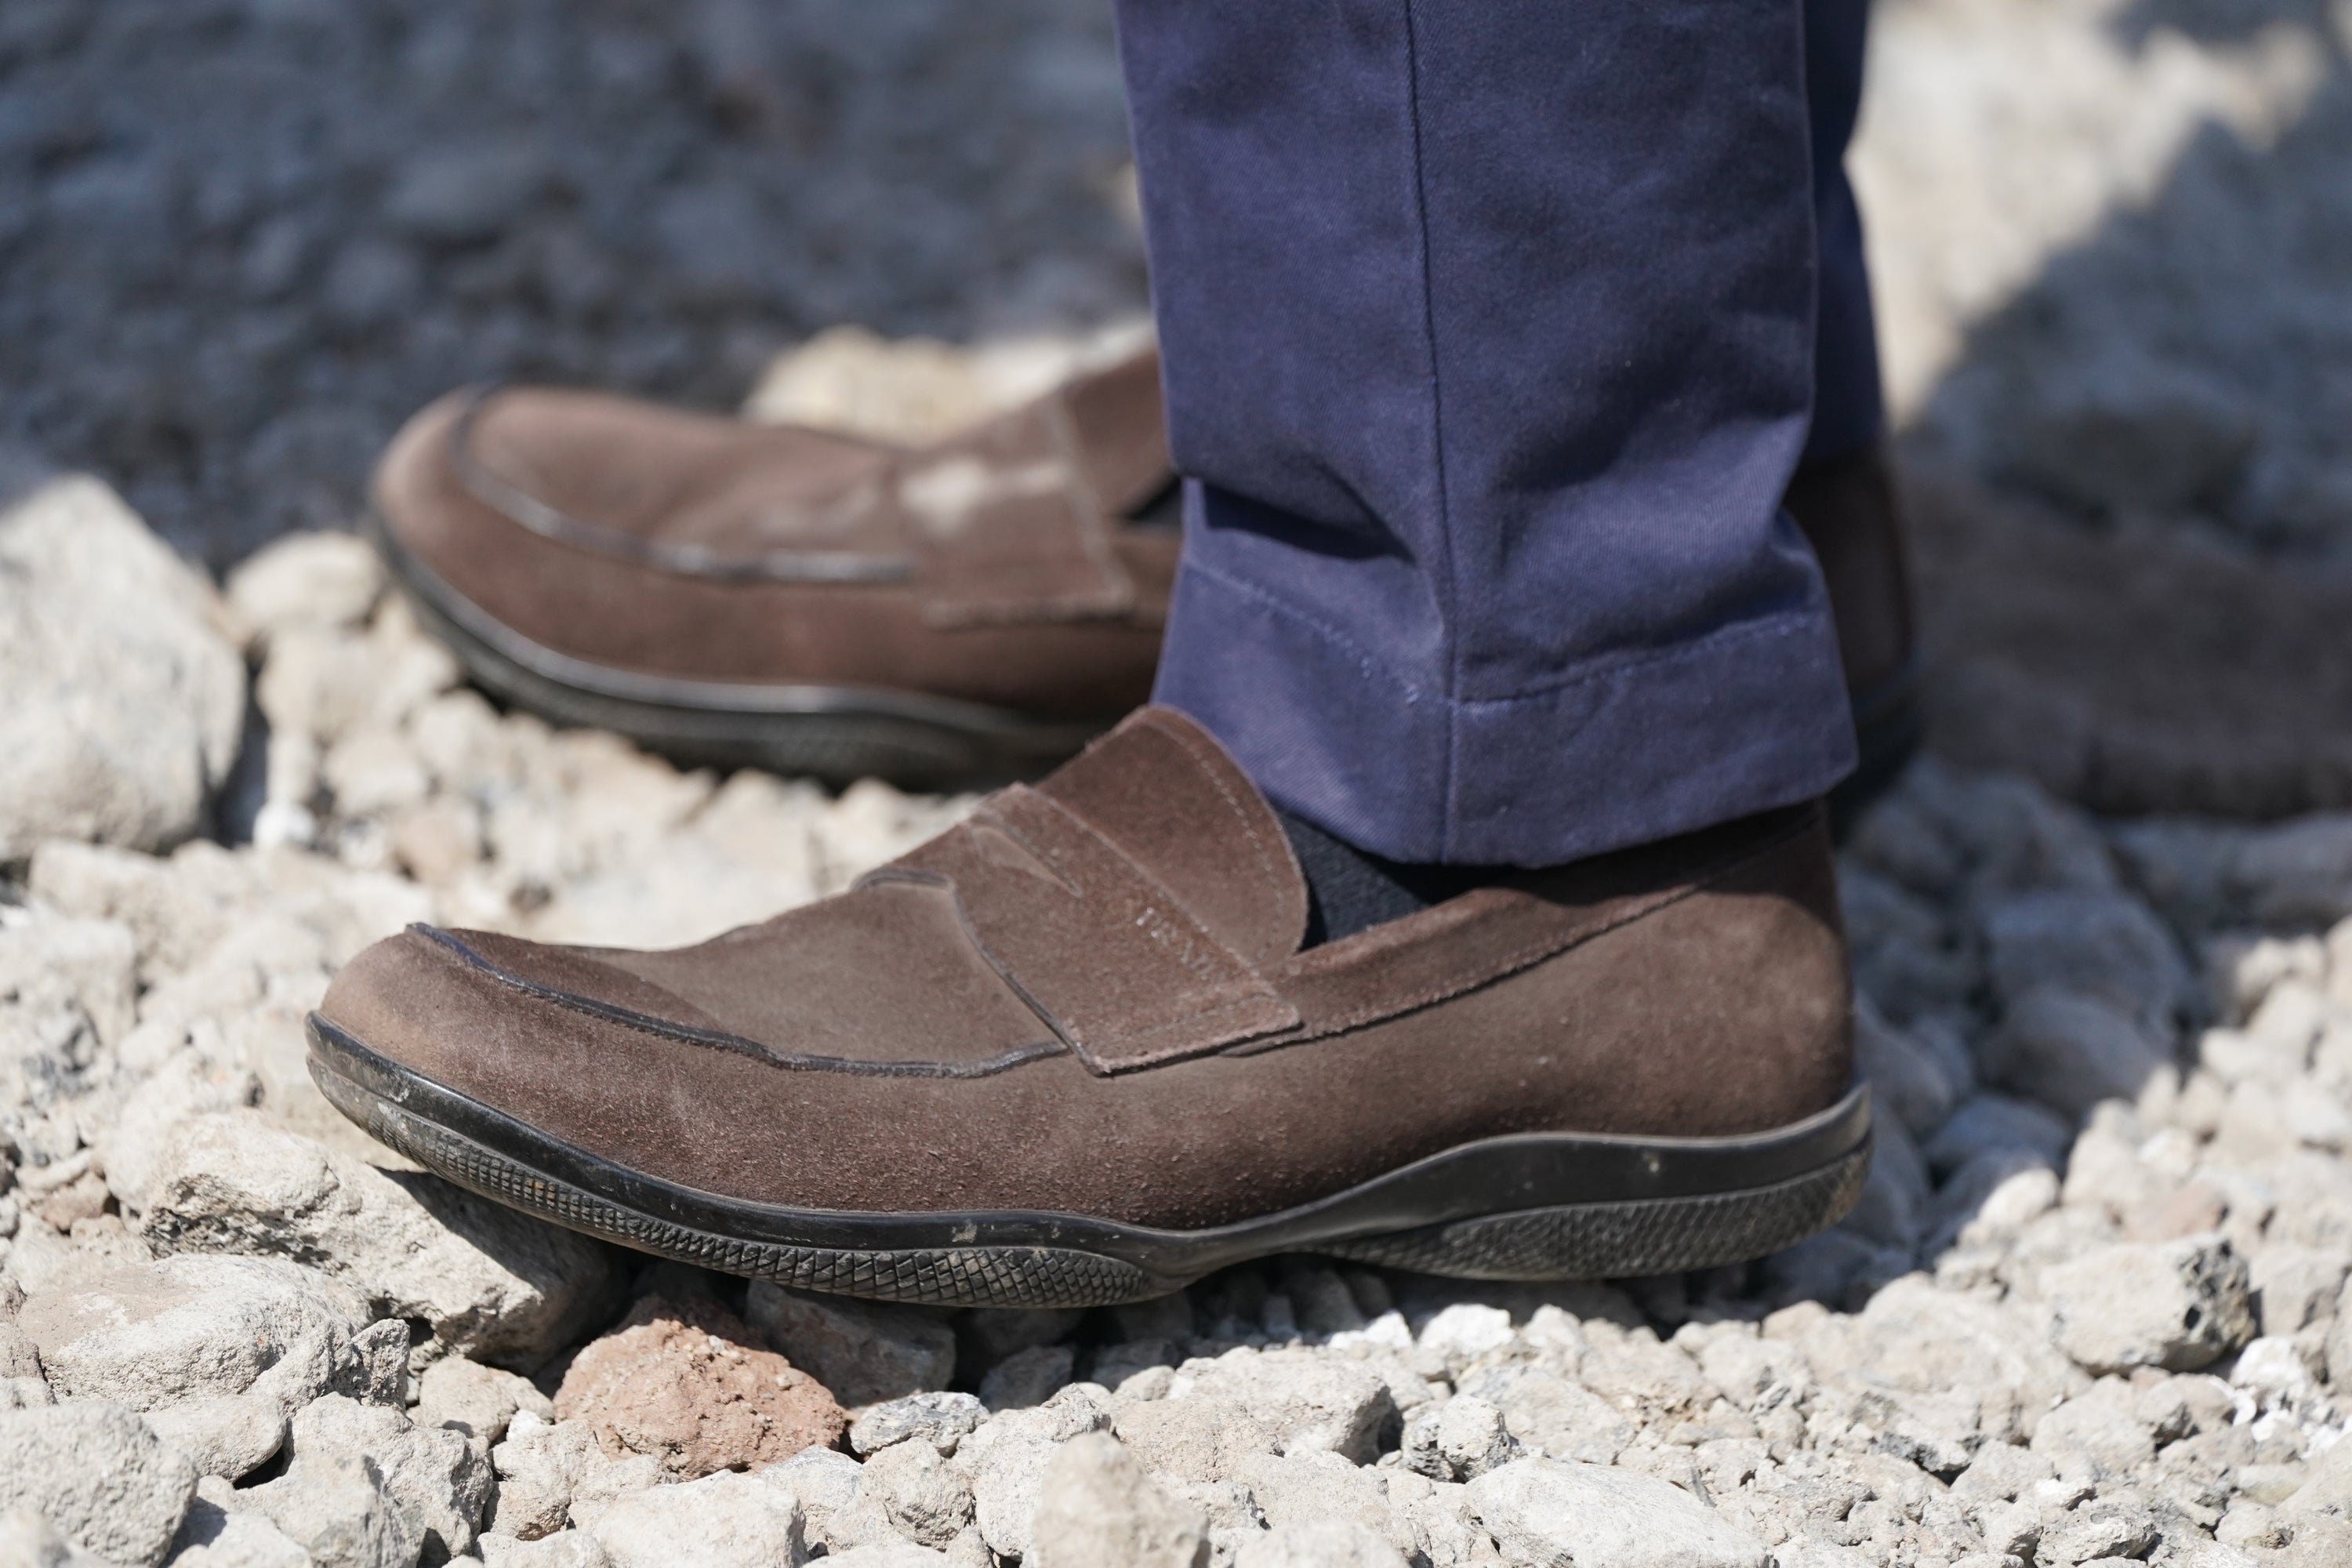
1349, 890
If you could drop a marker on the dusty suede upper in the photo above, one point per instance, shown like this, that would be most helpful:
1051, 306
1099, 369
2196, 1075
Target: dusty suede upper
1088, 998
992, 568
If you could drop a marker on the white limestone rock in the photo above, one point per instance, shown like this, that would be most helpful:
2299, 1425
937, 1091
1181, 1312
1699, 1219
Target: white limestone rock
728, 1520
28, 1541
1459, 1440
940, 1419
99, 1475
2177, 1305
320, 580
341, 1508
125, 700
554, 1474
1096, 1505
476, 1401
1552, 1514
572, 1549
212, 1537
489, 1281
178, 1329
1326, 1544
1007, 1457
438, 1483
928, 1500
229, 1435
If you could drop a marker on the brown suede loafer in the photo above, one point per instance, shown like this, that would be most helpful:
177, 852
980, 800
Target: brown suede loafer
787, 598
780, 597
1070, 1052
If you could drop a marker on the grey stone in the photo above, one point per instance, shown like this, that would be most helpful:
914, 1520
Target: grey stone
1208, 1417
1905, 1078
19, 1356
1330, 1543
725, 1520
2098, 1530
1006, 1459
474, 1400
339, 1509
235, 1540
1553, 1414
890, 1554
2069, 1051
52, 968
572, 1549
1551, 1513
1000, 1331
98, 1474
1027, 1377
2178, 1305
330, 581
927, 1501
1988, 1121
438, 1482
2326, 1488
2105, 945
489, 1281
2002, 1472
466, 192
229, 1435
2183, 1406
1305, 1403
826, 1484
940, 1419
1097, 1506
184, 1328
28, 1541
126, 704
552, 1474
1459, 1440
25, 1394
2100, 1429
863, 1351
2296, 1287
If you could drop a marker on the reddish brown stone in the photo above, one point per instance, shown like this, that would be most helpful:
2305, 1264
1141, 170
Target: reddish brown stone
685, 1381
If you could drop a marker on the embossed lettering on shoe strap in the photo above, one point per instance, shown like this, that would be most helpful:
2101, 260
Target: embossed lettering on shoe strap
1113, 963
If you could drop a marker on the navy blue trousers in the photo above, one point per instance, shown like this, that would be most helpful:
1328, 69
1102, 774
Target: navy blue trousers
1492, 332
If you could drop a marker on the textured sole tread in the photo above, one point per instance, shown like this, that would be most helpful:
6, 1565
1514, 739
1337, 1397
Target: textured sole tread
1580, 1241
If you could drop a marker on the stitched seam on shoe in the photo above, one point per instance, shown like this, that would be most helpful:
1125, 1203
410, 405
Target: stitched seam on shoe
1532, 954
719, 1040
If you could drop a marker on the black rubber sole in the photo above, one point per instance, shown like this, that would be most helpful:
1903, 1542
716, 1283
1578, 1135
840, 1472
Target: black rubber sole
835, 733
1550, 1206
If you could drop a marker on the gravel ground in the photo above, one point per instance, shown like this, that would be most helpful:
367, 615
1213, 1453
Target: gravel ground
2094, 1305
241, 239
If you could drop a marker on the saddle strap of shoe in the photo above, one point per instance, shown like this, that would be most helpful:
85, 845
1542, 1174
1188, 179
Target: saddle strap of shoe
1108, 959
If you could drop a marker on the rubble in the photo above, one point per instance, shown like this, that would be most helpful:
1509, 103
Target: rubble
2093, 1305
